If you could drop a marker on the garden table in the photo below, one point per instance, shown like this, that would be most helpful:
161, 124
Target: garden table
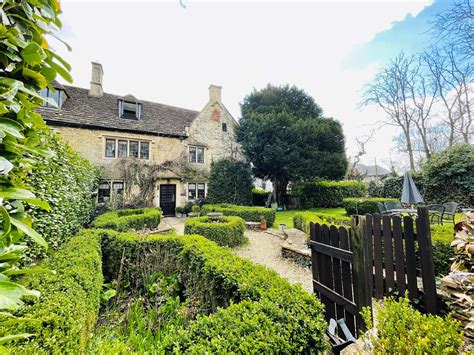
409, 211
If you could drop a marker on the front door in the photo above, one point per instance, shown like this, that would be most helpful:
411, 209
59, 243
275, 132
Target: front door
168, 199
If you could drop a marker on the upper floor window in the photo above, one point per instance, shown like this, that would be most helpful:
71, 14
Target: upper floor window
126, 148
224, 127
55, 96
129, 110
196, 155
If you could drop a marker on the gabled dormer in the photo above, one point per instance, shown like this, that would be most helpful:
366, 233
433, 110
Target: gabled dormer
129, 108
55, 93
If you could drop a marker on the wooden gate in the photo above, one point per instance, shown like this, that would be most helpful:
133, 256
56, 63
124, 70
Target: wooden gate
377, 256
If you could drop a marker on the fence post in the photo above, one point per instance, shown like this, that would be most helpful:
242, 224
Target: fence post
426, 254
361, 273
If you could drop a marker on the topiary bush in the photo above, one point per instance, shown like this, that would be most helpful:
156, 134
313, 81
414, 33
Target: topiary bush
63, 318
400, 329
244, 307
259, 197
229, 231
449, 176
66, 181
327, 194
361, 206
247, 213
124, 220
230, 181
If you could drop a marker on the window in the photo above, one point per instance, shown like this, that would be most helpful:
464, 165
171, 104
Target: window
196, 155
224, 127
110, 148
54, 96
144, 150
129, 110
191, 191
122, 149
196, 190
108, 187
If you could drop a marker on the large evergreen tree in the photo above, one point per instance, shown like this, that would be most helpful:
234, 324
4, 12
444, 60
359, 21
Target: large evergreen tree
286, 138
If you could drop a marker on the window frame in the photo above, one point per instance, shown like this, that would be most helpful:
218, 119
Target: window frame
114, 141
196, 190
110, 189
196, 159
128, 140
50, 95
224, 127
131, 115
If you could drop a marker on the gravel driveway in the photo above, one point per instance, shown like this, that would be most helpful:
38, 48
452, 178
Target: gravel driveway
265, 249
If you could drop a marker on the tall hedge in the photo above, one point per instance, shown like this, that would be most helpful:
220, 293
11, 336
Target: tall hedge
328, 194
67, 182
391, 186
230, 181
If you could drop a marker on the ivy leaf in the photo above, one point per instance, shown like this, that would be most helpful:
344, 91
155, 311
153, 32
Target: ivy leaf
33, 54
5, 166
11, 294
15, 193
38, 203
11, 127
29, 232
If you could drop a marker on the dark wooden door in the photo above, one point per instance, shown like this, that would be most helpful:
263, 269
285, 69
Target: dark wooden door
168, 199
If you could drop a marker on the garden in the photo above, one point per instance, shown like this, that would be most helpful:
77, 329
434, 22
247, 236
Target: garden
75, 280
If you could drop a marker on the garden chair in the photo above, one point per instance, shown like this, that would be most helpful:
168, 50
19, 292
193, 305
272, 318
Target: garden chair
389, 205
443, 213
381, 208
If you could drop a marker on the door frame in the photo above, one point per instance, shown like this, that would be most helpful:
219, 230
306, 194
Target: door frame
174, 200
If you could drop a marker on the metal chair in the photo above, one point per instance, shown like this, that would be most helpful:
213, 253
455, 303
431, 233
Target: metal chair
443, 213
436, 213
389, 205
381, 208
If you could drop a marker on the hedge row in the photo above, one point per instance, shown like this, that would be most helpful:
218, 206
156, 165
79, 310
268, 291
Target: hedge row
329, 194
229, 231
247, 213
63, 318
259, 197
66, 181
361, 206
125, 220
302, 220
244, 308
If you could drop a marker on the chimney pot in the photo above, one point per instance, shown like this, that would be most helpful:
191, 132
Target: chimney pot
96, 80
215, 93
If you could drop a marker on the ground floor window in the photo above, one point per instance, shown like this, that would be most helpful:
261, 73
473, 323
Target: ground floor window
107, 187
196, 190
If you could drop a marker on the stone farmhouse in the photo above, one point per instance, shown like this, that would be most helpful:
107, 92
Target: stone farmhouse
174, 145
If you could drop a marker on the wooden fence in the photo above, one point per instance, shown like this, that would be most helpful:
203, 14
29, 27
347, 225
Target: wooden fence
377, 256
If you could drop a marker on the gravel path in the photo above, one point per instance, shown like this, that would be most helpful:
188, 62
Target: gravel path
265, 249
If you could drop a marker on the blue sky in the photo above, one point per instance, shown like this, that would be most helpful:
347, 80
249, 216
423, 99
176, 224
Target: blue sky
159, 51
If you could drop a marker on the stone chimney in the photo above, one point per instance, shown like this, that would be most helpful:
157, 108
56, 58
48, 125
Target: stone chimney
96, 81
215, 93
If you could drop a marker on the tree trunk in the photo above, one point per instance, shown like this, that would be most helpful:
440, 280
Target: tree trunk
279, 190
409, 148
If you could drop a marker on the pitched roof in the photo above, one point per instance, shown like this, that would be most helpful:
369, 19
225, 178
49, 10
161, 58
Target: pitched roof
371, 170
82, 110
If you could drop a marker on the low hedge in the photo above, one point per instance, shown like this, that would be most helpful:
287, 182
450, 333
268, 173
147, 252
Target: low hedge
228, 232
248, 214
259, 197
63, 318
244, 307
361, 206
441, 238
329, 194
302, 220
124, 220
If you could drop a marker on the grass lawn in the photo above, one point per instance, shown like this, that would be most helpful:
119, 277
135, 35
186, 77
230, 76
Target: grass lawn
286, 217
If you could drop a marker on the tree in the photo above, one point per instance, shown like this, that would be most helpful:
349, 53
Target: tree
285, 137
27, 65
230, 181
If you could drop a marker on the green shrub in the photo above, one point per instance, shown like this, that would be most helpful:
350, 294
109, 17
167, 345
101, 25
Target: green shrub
302, 220
362, 206
441, 238
230, 181
124, 220
63, 318
67, 182
327, 194
247, 213
403, 330
259, 197
249, 303
228, 232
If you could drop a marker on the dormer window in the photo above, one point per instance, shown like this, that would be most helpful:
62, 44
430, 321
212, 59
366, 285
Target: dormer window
129, 110
55, 96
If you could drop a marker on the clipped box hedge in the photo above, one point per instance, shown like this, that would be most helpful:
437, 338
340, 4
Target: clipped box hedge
362, 206
247, 213
244, 308
63, 318
302, 220
229, 231
124, 220
328, 194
